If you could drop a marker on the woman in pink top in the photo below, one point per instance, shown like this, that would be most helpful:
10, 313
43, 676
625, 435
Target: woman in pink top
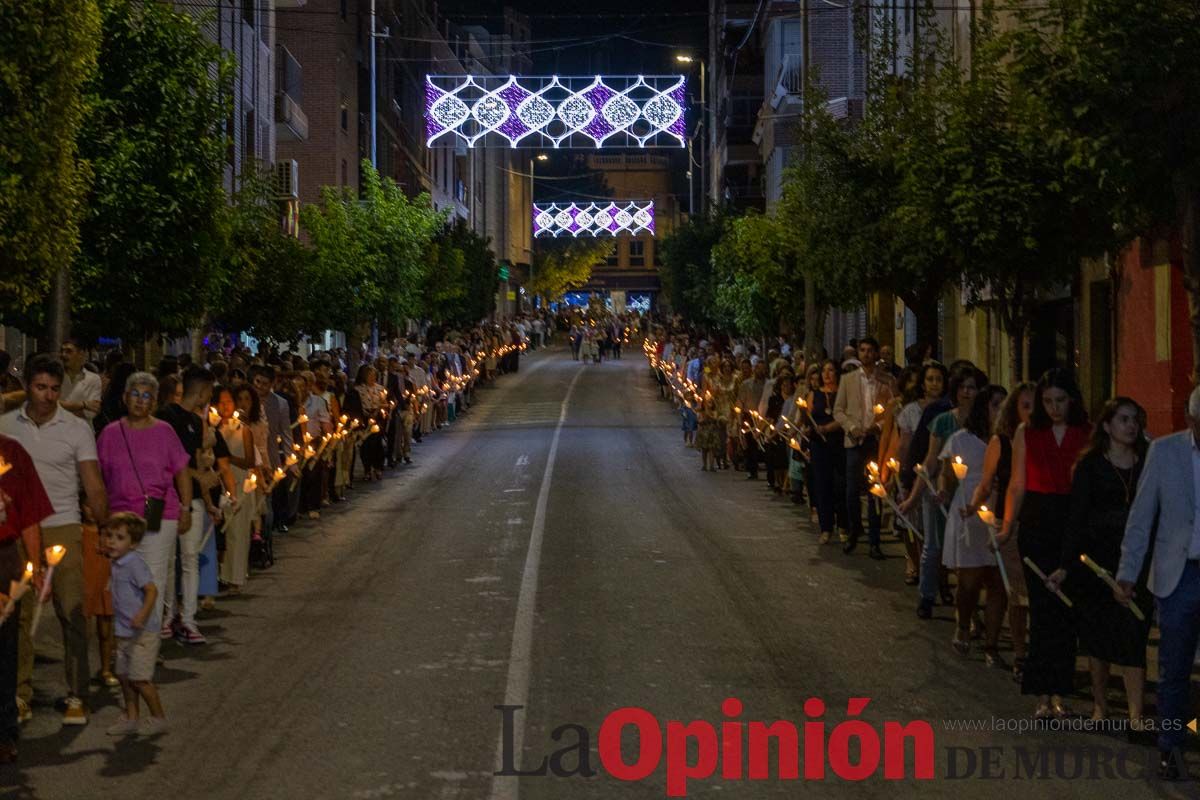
141, 458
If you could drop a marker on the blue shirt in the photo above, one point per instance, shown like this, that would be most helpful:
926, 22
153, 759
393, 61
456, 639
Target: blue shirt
695, 372
130, 577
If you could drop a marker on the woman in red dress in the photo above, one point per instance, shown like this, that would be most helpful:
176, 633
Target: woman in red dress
1039, 497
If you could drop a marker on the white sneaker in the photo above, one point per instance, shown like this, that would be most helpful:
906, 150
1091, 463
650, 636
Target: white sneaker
123, 727
153, 726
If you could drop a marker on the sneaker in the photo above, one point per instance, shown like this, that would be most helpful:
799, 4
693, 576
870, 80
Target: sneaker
207, 603
123, 727
190, 634
823, 538
75, 714
154, 726
109, 679
843, 536
24, 712
168, 629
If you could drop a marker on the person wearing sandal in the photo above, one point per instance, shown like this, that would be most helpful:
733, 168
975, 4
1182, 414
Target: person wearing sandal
966, 546
1102, 491
1039, 495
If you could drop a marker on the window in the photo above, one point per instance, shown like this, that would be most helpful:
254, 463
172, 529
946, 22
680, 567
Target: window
248, 12
614, 258
342, 8
345, 174
249, 129
345, 117
637, 253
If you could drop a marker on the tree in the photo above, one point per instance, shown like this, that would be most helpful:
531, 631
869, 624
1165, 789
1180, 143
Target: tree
270, 274
1123, 120
688, 278
147, 262
370, 254
461, 283
1020, 228
753, 287
563, 264
47, 53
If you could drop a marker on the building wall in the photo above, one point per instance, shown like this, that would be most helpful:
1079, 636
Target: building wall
324, 44
1154, 347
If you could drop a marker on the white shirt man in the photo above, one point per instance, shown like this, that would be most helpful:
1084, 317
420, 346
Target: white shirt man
63, 451
80, 391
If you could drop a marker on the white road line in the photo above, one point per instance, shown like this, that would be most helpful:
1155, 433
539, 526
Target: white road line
516, 691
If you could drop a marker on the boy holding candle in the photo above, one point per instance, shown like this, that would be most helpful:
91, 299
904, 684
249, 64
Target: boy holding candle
136, 613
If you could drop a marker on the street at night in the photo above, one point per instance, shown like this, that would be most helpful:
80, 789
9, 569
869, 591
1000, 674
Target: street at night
530, 399
369, 662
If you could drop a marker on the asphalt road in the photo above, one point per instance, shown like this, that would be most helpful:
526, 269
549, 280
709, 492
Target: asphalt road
557, 549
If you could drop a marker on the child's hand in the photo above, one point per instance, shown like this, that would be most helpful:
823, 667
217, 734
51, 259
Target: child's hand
138, 621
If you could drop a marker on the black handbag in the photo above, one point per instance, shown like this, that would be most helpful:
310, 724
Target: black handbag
154, 507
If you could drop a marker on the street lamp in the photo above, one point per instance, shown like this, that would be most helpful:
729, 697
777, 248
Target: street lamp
684, 58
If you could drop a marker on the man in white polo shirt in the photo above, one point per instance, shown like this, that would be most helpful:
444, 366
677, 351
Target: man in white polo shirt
64, 453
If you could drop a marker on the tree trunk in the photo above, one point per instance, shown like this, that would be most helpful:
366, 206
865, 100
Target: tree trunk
1188, 204
812, 334
58, 317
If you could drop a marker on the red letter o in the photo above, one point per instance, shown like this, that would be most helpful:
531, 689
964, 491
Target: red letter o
649, 743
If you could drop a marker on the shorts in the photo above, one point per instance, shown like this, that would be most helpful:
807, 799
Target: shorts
136, 655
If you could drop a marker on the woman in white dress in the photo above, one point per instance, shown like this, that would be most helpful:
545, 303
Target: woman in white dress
245, 513
966, 547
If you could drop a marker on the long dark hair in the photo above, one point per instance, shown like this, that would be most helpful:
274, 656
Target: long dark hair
1100, 441
1010, 412
1058, 378
960, 374
979, 417
255, 412
936, 366
910, 384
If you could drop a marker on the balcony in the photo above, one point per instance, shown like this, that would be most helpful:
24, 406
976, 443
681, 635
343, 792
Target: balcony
789, 81
291, 123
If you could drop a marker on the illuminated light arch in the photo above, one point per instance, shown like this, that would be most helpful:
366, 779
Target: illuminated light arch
593, 219
557, 111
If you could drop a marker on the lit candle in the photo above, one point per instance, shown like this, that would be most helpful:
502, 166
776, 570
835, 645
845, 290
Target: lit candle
878, 409
250, 485
291, 460
960, 469
893, 464
988, 516
279, 474
214, 418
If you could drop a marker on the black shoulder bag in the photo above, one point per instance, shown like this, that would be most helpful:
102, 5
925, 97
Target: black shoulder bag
153, 510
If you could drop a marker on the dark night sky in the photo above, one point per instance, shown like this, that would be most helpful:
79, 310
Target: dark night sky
588, 38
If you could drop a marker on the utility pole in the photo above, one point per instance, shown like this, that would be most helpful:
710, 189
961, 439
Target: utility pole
374, 141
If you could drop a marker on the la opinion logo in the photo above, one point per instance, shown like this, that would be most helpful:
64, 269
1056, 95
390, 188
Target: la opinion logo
739, 750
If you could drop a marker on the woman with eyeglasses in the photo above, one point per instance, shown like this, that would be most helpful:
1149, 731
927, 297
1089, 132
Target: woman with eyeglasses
145, 471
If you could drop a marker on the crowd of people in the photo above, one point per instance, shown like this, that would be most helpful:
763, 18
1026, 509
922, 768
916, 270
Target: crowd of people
134, 498
1077, 530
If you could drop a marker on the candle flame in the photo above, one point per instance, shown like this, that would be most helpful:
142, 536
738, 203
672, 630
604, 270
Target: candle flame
55, 554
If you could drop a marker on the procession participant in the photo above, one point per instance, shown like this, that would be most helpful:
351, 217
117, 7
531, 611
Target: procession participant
828, 457
967, 546
1039, 495
23, 505
859, 393
1168, 494
64, 454
997, 472
1102, 491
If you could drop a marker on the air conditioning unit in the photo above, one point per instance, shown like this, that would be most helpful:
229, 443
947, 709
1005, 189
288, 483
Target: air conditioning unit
287, 178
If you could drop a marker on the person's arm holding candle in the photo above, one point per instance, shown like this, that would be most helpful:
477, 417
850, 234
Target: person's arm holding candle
991, 461
1016, 487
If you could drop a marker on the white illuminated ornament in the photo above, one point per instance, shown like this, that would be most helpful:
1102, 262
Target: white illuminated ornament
587, 111
634, 216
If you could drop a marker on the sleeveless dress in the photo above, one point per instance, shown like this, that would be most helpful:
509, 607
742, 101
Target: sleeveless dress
1045, 514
